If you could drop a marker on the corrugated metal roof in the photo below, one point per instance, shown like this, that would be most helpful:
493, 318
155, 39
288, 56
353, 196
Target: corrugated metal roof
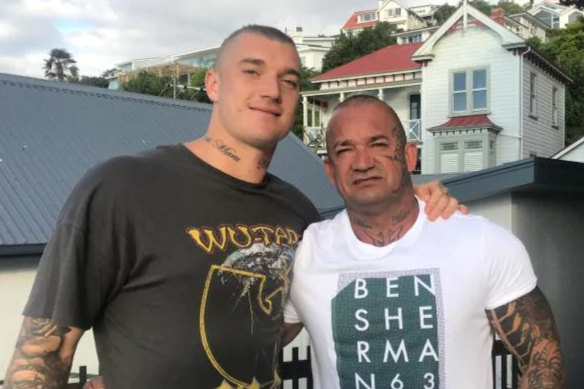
51, 133
393, 58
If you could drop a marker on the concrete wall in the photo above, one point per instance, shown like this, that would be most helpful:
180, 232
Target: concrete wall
552, 228
16, 277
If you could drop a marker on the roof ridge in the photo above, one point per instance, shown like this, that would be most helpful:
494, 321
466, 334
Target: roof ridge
87, 90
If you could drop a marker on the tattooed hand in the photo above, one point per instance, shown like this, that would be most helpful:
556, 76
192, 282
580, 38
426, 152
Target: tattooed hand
43, 355
527, 328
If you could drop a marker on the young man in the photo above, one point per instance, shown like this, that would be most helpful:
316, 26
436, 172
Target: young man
179, 257
393, 301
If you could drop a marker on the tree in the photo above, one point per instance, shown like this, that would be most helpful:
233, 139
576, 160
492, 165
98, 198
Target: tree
198, 82
566, 49
305, 85
578, 3
61, 66
482, 6
444, 12
348, 47
510, 7
109, 73
100, 82
149, 84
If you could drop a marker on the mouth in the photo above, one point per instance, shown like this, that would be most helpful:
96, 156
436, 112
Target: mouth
267, 110
365, 180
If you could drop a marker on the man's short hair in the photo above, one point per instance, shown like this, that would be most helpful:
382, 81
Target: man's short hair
366, 99
265, 31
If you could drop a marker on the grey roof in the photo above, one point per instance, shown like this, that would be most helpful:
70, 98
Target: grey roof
530, 174
51, 133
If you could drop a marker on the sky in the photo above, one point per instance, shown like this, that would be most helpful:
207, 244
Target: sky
102, 33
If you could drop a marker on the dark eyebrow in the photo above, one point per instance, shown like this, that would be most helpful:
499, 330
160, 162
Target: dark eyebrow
294, 72
252, 61
261, 62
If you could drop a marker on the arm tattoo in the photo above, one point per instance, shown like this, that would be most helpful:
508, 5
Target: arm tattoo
526, 327
38, 361
222, 147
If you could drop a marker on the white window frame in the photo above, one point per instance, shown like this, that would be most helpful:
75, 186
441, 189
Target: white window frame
468, 91
371, 15
554, 107
533, 94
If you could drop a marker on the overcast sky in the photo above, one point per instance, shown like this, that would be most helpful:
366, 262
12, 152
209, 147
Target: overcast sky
102, 33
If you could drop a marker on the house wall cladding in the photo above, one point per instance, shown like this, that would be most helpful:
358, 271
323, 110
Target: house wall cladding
539, 135
457, 51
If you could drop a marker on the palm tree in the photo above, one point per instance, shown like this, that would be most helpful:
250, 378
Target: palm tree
59, 64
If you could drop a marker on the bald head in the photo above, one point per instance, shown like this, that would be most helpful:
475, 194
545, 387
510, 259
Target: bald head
359, 100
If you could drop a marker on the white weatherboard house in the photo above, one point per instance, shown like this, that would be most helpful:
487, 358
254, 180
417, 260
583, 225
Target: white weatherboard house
391, 11
554, 14
474, 95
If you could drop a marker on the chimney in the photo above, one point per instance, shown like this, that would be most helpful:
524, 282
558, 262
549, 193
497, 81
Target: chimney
498, 15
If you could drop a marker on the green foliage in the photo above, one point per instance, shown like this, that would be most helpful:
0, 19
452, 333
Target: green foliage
198, 81
198, 77
444, 12
100, 82
61, 66
510, 7
305, 85
348, 47
109, 73
578, 3
149, 84
482, 6
566, 49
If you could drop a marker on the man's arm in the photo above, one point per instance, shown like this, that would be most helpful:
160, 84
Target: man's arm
439, 203
43, 355
527, 328
291, 330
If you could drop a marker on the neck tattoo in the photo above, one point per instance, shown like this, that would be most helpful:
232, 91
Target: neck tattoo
222, 147
391, 232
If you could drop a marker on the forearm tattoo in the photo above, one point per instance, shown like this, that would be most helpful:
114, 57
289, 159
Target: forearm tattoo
526, 327
38, 362
223, 148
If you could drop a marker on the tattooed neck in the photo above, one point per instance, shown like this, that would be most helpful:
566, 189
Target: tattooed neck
222, 147
381, 230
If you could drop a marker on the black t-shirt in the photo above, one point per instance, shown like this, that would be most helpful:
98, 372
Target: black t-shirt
181, 270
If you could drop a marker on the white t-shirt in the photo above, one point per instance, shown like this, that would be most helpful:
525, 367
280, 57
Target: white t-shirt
410, 314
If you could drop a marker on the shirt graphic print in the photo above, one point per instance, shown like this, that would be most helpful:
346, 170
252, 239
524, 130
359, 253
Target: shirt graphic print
388, 330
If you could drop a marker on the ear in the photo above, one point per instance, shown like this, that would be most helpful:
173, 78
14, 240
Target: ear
328, 167
212, 84
411, 154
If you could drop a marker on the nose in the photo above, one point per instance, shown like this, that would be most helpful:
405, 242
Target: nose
362, 160
270, 88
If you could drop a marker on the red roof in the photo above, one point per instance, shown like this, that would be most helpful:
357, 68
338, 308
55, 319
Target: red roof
392, 58
466, 121
353, 21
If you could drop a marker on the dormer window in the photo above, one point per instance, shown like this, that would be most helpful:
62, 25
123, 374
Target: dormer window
367, 17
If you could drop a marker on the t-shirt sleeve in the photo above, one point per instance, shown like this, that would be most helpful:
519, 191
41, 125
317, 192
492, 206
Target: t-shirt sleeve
290, 313
511, 274
82, 266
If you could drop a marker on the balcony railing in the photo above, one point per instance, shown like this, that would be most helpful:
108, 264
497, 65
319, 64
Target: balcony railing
314, 137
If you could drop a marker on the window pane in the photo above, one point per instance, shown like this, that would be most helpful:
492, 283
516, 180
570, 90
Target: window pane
479, 99
459, 81
479, 79
459, 103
